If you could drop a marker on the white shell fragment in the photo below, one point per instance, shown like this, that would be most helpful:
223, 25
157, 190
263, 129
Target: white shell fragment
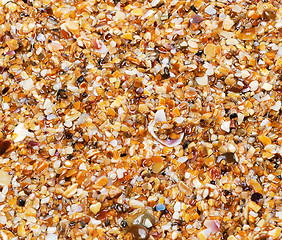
160, 117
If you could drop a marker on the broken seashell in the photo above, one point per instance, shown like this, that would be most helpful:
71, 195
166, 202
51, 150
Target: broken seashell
160, 117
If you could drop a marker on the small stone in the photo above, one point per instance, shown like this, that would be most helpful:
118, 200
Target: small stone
12, 6
136, 204
264, 140
209, 50
13, 44
254, 85
114, 192
228, 23
127, 36
233, 115
276, 106
137, 12
51, 236
143, 108
228, 157
266, 86
40, 37
123, 223
192, 44
95, 208
119, 16
72, 25
196, 19
254, 206
160, 207
27, 84
232, 41
225, 126
101, 182
256, 197
202, 80
21, 231
144, 217
157, 167
71, 190
269, 14
4, 146
275, 233
21, 202
245, 73
55, 46
139, 232
210, 10
5, 178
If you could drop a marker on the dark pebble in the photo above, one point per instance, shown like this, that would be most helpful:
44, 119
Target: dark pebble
233, 115
82, 224
21, 202
72, 223
107, 222
199, 53
5, 90
194, 9
84, 94
62, 94
4, 146
227, 157
80, 80
269, 14
166, 73
256, 197
123, 223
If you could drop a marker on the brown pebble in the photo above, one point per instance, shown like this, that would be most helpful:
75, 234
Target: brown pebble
138, 232
269, 14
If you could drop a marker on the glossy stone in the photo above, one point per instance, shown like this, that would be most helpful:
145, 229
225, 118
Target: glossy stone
138, 232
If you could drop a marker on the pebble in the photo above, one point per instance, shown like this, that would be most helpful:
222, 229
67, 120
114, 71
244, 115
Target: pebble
210, 10
51, 237
254, 85
141, 216
225, 126
160, 207
202, 80
266, 86
5, 178
95, 208
139, 232
256, 197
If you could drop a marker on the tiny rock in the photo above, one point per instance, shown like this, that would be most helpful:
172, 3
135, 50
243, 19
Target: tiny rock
72, 25
95, 208
13, 44
5, 178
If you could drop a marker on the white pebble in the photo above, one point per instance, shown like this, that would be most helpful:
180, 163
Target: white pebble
41, 37
266, 86
202, 80
232, 41
20, 132
210, 10
51, 237
225, 126
177, 206
254, 85
277, 106
27, 84
245, 73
